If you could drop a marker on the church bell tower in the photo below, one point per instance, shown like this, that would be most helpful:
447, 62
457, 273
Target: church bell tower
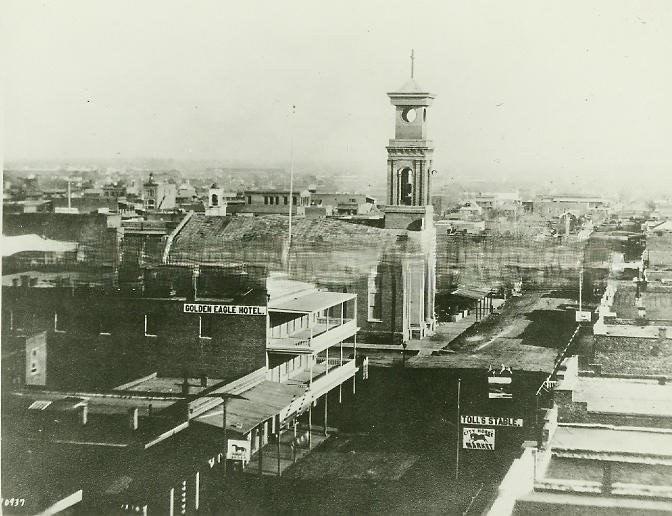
409, 158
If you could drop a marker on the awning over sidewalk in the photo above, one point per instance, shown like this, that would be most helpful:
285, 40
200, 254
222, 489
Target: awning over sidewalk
311, 302
256, 405
471, 292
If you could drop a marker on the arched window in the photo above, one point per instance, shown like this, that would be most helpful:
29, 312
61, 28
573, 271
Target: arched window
406, 177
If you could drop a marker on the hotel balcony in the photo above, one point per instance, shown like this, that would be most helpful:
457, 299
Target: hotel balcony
311, 323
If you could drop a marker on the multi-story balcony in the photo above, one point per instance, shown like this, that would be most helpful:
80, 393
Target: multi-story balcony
311, 323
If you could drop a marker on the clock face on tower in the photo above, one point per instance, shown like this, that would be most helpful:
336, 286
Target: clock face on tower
409, 114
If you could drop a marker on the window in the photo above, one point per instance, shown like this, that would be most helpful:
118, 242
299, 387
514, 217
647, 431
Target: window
205, 327
62, 322
249, 199
286, 199
277, 199
34, 366
265, 199
375, 296
151, 325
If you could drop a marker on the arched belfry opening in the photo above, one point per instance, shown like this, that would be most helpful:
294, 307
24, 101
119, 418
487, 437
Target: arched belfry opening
406, 182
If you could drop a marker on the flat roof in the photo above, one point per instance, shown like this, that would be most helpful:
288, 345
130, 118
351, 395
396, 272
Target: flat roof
168, 385
20, 243
624, 395
590, 501
612, 440
520, 357
311, 302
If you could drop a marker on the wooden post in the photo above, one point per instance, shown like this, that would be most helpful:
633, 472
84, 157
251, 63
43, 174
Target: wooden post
326, 399
277, 435
226, 441
312, 359
340, 393
197, 495
310, 424
261, 466
458, 443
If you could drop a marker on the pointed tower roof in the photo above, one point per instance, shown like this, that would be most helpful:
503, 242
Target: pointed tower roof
410, 86
411, 94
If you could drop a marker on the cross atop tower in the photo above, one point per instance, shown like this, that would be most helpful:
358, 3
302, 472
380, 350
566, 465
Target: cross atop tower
412, 62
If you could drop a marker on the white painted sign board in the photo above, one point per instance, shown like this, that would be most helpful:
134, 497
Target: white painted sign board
491, 421
197, 308
478, 438
238, 450
583, 316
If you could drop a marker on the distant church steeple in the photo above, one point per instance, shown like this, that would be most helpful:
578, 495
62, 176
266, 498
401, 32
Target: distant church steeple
409, 153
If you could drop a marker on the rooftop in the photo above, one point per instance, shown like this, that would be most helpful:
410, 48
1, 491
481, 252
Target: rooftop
309, 303
595, 441
611, 395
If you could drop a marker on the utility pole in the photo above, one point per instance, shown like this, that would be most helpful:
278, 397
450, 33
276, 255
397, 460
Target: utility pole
457, 440
291, 183
580, 288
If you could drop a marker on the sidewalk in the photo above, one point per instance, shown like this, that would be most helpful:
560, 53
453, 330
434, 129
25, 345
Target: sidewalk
444, 334
269, 452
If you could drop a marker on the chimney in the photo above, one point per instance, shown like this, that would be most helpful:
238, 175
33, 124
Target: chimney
133, 418
204, 381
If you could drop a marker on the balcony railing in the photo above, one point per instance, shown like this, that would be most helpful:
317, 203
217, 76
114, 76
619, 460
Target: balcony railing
316, 337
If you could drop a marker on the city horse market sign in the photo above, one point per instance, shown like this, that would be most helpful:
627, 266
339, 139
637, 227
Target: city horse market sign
195, 308
478, 438
491, 421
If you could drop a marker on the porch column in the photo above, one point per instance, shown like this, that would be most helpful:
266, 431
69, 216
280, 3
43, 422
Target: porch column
327, 352
354, 357
312, 359
326, 399
277, 437
310, 425
261, 467
341, 344
342, 310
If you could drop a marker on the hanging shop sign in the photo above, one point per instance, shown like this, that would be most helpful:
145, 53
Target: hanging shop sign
491, 421
238, 450
478, 438
196, 308
583, 316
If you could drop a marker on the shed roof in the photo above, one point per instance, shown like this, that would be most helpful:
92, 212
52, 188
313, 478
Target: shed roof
254, 406
471, 292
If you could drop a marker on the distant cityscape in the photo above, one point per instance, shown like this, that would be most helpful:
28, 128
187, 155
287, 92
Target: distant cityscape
193, 338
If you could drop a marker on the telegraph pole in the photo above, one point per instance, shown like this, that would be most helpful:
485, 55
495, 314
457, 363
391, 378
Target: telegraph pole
291, 182
457, 427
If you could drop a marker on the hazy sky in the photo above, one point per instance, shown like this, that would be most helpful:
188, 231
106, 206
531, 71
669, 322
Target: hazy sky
539, 87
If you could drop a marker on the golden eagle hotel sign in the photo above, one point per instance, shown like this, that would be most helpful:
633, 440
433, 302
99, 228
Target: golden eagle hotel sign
196, 308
